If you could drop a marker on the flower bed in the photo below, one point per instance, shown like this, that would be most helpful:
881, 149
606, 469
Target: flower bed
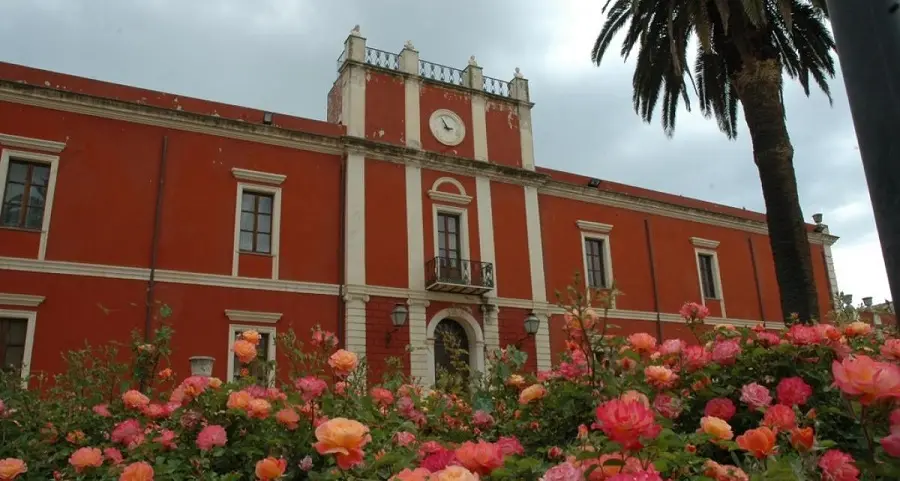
811, 402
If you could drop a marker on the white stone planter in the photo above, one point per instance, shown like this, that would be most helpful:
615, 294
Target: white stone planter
202, 366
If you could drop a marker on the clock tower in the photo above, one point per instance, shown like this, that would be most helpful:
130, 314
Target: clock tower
398, 98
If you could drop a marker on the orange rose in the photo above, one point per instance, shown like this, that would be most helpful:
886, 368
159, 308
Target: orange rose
718, 428
140, 471
239, 400
759, 442
343, 362
454, 473
135, 400
530, 393
258, 408
245, 351
869, 379
288, 417
215, 382
344, 438
481, 457
251, 336
802, 439
270, 468
86, 458
660, 377
12, 467
857, 328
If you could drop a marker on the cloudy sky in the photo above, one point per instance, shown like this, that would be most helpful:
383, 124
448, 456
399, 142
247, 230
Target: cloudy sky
280, 55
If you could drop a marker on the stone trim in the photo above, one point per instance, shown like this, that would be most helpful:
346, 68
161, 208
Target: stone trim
23, 300
252, 316
30, 143
256, 176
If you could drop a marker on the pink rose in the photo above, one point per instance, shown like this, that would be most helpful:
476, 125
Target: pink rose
563, 472
726, 352
793, 391
721, 408
211, 436
755, 396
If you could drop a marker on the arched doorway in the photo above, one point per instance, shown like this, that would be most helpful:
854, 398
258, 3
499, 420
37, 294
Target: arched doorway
466, 328
451, 349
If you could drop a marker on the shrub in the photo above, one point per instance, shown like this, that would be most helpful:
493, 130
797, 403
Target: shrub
815, 401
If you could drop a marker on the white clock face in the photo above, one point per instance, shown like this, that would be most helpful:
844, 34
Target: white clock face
447, 127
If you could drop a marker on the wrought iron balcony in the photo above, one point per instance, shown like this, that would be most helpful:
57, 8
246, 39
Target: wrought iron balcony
460, 276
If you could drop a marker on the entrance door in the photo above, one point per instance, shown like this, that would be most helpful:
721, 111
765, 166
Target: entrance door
451, 350
449, 248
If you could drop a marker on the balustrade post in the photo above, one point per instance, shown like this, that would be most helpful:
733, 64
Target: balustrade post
473, 76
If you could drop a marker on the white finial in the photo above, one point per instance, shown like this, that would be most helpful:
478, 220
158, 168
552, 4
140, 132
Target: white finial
409, 45
472, 61
355, 32
519, 73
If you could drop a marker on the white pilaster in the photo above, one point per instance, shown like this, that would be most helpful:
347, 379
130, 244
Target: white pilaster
353, 85
409, 64
518, 90
538, 282
491, 316
486, 245
829, 268
418, 323
355, 335
474, 79
418, 339
355, 226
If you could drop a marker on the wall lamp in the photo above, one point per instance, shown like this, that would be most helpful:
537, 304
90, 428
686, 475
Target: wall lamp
532, 325
398, 319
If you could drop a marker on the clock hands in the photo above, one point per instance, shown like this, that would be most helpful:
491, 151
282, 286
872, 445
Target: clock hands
446, 127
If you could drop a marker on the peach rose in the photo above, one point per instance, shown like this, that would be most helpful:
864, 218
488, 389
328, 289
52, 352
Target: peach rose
759, 442
270, 468
418, 474
140, 471
135, 400
259, 408
86, 458
660, 377
454, 473
10, 468
245, 351
857, 328
635, 396
530, 393
239, 400
215, 382
481, 457
344, 438
251, 336
288, 417
515, 380
864, 377
716, 427
642, 342
343, 362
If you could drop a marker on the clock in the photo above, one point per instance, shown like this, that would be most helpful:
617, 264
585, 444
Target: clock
447, 127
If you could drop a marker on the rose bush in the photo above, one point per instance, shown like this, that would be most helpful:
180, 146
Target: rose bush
816, 401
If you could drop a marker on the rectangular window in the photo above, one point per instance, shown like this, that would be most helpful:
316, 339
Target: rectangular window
256, 222
708, 275
448, 243
12, 343
259, 369
24, 195
595, 260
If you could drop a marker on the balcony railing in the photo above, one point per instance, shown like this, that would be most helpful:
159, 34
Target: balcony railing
460, 276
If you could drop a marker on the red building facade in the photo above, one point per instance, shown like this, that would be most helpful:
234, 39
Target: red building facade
420, 189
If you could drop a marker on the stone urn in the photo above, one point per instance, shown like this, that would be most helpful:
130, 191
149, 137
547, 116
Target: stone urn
202, 366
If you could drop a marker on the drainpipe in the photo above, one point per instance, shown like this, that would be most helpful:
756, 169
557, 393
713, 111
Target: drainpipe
762, 312
154, 243
342, 259
659, 327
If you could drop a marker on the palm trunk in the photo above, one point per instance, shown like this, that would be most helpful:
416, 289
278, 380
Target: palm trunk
758, 85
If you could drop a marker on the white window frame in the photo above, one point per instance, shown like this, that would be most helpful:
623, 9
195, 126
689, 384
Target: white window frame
607, 258
31, 318
463, 214
275, 192
234, 330
53, 161
717, 277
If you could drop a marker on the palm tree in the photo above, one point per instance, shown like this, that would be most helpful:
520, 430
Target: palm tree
744, 47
